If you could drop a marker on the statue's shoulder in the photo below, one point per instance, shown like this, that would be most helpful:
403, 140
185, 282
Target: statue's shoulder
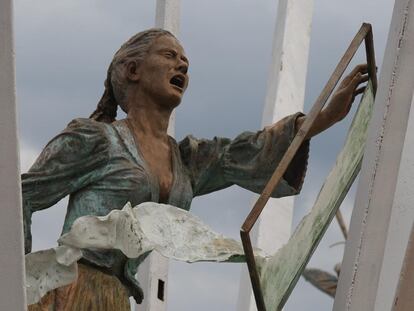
90, 127
86, 123
87, 131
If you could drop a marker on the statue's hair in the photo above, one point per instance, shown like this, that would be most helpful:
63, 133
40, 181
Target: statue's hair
135, 49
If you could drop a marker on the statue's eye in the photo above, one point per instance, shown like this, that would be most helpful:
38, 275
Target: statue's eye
169, 54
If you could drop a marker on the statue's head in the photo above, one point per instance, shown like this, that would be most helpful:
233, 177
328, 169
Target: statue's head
151, 62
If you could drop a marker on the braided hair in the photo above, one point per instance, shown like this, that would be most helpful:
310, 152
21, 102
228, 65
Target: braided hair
134, 49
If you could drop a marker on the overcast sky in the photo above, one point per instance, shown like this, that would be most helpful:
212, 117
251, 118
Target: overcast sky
63, 49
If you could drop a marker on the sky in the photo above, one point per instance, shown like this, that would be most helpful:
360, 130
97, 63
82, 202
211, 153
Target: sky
63, 49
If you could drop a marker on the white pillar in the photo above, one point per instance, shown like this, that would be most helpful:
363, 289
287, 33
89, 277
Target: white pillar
167, 16
12, 288
383, 212
404, 298
285, 95
153, 272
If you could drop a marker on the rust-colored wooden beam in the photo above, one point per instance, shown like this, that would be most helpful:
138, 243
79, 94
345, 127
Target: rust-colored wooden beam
342, 224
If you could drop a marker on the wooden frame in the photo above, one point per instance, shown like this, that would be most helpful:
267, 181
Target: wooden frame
364, 34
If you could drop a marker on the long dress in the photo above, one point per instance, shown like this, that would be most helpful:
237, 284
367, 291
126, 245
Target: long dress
101, 168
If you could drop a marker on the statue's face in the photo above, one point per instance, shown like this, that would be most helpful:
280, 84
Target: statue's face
163, 71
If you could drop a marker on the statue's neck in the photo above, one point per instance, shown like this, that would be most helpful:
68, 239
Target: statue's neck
149, 120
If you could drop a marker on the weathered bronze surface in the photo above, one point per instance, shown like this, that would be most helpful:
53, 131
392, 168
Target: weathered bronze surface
102, 163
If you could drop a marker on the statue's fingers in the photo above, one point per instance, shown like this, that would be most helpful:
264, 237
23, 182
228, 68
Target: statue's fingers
360, 69
357, 80
352, 85
365, 78
359, 91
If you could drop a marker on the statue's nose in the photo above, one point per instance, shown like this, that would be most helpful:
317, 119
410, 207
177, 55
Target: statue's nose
182, 67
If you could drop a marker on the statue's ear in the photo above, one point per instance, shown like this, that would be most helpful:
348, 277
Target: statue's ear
132, 71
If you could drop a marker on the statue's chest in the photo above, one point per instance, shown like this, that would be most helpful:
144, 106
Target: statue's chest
158, 163
156, 174
142, 184
164, 180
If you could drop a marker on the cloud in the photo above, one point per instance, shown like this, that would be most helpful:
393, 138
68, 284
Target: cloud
63, 49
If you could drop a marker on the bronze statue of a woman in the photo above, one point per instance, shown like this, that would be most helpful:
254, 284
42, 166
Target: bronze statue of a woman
102, 163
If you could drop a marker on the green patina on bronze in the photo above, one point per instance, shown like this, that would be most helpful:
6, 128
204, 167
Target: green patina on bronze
280, 273
102, 163
100, 166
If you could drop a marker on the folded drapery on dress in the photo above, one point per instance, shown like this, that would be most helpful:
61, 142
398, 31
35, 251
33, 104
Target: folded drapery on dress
101, 168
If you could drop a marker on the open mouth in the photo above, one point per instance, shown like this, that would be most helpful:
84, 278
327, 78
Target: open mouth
178, 81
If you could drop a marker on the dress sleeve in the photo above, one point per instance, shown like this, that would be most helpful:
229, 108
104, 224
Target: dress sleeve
70, 161
248, 161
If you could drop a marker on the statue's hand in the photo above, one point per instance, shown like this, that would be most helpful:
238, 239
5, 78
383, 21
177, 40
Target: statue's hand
342, 100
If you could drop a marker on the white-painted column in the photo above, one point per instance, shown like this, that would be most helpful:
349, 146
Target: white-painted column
167, 16
285, 96
404, 298
383, 212
153, 278
12, 288
153, 272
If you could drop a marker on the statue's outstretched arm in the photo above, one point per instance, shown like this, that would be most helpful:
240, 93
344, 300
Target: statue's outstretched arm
247, 160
